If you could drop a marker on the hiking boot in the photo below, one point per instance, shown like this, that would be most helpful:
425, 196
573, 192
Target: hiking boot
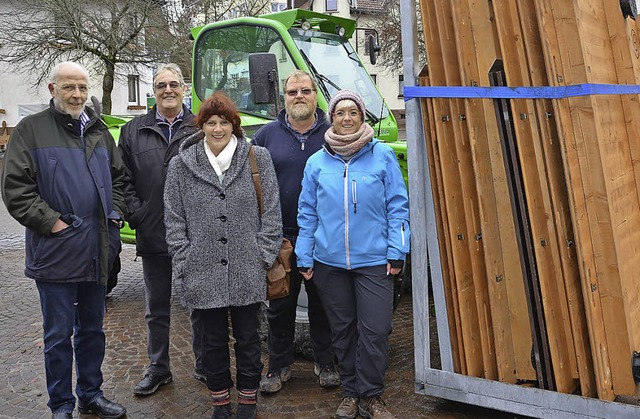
272, 382
327, 375
348, 409
374, 407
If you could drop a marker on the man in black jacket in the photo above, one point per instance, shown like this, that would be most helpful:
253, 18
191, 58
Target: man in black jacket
147, 144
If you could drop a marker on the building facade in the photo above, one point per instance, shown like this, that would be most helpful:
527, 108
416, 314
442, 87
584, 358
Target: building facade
19, 98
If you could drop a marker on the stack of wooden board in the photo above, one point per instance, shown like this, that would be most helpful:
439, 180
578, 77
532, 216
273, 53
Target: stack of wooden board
538, 200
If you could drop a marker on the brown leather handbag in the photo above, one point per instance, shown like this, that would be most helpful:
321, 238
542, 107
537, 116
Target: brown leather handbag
278, 275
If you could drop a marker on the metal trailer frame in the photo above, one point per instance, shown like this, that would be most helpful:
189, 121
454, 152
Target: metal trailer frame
445, 383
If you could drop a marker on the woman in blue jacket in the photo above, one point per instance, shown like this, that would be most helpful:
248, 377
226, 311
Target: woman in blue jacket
353, 215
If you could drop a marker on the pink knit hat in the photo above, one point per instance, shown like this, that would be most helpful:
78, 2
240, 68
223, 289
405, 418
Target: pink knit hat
344, 95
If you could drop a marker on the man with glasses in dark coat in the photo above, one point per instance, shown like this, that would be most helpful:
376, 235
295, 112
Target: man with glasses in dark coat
147, 144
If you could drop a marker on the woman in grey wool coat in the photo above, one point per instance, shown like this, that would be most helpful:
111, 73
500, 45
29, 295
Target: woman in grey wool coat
221, 246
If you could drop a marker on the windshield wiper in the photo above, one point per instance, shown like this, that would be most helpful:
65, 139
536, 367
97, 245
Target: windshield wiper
352, 55
321, 79
324, 80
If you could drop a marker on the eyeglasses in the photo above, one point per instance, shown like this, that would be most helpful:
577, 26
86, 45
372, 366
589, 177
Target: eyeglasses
294, 93
69, 88
341, 114
162, 85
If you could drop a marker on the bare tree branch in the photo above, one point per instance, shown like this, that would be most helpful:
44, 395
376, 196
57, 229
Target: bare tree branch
38, 34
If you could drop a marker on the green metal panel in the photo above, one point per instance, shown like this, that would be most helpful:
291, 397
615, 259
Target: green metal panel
114, 123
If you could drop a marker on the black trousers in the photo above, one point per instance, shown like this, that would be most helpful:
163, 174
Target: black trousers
157, 290
215, 346
282, 324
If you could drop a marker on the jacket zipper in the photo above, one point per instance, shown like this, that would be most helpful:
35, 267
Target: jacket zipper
402, 234
346, 214
354, 196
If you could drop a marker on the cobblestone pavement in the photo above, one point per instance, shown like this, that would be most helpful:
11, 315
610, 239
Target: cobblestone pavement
23, 390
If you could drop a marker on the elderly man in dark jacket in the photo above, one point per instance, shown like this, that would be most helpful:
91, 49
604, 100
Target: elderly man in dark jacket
62, 180
147, 144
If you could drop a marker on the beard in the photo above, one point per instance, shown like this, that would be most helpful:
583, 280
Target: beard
64, 108
300, 111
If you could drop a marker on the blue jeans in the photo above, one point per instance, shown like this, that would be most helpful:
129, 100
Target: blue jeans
73, 309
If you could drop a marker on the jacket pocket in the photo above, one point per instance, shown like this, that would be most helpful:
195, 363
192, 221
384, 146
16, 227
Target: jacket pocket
68, 254
135, 218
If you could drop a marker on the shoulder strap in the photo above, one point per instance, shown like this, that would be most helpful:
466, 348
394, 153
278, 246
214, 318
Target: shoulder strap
255, 174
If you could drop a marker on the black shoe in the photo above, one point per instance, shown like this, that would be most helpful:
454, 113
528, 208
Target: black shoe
222, 412
103, 408
200, 376
246, 411
62, 415
150, 383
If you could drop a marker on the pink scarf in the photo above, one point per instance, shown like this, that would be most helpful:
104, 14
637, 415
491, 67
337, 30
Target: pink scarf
350, 144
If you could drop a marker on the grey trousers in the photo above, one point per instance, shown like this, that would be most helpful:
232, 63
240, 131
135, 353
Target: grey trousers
359, 306
157, 290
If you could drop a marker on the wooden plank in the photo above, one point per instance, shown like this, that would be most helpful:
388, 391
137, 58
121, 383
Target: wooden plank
462, 149
625, 47
443, 234
460, 250
595, 241
577, 199
453, 200
549, 270
612, 145
550, 155
625, 43
503, 258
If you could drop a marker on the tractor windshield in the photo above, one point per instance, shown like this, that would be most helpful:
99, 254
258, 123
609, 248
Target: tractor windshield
337, 67
221, 62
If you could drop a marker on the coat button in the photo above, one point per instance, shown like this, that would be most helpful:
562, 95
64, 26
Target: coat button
223, 240
222, 196
224, 262
223, 218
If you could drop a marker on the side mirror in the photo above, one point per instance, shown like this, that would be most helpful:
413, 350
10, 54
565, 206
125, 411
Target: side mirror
263, 77
374, 49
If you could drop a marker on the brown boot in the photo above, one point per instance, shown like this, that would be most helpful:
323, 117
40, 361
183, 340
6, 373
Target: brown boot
374, 408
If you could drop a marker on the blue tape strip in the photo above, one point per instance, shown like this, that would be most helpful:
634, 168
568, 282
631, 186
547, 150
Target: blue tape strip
505, 92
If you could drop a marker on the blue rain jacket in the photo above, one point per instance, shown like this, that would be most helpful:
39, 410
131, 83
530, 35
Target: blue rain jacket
353, 213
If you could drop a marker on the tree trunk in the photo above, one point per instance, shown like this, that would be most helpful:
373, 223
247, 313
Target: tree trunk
107, 87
